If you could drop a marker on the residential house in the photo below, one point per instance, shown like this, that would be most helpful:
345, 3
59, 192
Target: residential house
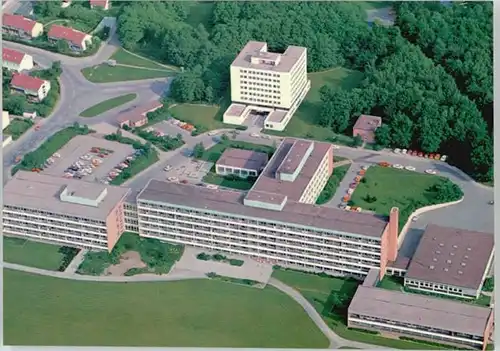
104, 4
76, 40
138, 116
20, 26
5, 119
15, 60
34, 88
366, 126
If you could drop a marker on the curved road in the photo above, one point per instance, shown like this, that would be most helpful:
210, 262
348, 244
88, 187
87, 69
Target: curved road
177, 275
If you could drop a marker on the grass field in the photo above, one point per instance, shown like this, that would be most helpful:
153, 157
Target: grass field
107, 105
393, 187
332, 184
201, 116
303, 123
319, 291
195, 313
107, 74
214, 153
18, 127
126, 58
32, 253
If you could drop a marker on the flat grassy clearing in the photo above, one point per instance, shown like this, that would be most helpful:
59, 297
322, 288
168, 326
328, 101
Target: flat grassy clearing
18, 127
107, 105
107, 74
126, 58
32, 253
238, 184
201, 116
303, 123
195, 313
332, 184
393, 188
201, 13
215, 152
319, 291
96, 262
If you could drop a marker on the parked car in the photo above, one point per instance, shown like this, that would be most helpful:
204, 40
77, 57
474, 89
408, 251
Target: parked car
397, 151
384, 164
444, 158
430, 171
167, 168
398, 166
410, 168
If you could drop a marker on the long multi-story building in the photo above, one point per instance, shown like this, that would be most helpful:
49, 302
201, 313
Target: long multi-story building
266, 81
63, 211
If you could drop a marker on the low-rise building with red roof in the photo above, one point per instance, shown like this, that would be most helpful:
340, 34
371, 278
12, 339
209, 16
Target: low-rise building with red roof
34, 88
19, 26
104, 4
76, 40
16, 61
366, 126
137, 117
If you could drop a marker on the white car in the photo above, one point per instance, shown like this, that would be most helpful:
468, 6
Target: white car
211, 186
443, 158
212, 133
397, 151
336, 147
172, 179
410, 168
167, 168
364, 168
254, 135
350, 191
404, 151
398, 166
430, 171
414, 219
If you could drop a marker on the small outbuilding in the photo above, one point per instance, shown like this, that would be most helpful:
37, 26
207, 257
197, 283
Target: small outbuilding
242, 163
366, 126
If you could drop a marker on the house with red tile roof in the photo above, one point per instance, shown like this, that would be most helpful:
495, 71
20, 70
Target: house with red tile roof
76, 40
16, 61
20, 26
34, 88
104, 4
366, 126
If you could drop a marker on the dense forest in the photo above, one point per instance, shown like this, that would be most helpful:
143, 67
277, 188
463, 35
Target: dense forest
430, 82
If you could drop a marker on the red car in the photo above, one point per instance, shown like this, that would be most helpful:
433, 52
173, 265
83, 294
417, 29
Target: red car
184, 181
420, 154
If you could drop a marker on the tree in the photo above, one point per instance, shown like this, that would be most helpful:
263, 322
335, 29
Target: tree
357, 141
446, 191
62, 46
15, 104
224, 138
402, 130
56, 69
198, 150
383, 135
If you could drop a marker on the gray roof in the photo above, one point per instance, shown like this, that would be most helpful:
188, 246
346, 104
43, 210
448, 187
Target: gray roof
277, 116
245, 159
420, 310
259, 49
40, 191
231, 202
235, 110
269, 183
451, 256
295, 156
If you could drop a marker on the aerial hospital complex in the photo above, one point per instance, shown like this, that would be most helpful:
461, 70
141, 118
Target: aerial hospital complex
277, 220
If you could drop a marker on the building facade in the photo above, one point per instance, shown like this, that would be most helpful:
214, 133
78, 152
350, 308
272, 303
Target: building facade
34, 88
20, 26
16, 61
241, 163
77, 41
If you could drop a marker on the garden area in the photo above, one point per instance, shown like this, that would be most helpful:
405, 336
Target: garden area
384, 187
36, 254
331, 296
332, 184
193, 313
105, 73
36, 158
17, 127
220, 258
162, 142
107, 105
158, 256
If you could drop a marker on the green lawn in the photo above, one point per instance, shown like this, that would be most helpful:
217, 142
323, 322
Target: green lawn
386, 187
320, 292
18, 127
107, 105
214, 153
227, 182
32, 253
303, 123
332, 184
126, 58
201, 116
107, 74
195, 313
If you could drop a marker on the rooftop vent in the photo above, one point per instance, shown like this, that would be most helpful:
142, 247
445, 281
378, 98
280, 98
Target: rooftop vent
431, 267
455, 246
460, 272
452, 254
441, 244
438, 252
446, 269
435, 259
448, 261
466, 257
463, 264
433, 238
468, 249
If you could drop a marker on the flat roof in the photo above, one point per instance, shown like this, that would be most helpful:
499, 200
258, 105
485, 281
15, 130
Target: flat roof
231, 202
246, 159
259, 49
451, 256
40, 191
269, 183
367, 122
294, 157
236, 110
277, 116
421, 310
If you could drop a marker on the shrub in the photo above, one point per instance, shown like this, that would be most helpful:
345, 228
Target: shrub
234, 262
219, 257
364, 331
203, 256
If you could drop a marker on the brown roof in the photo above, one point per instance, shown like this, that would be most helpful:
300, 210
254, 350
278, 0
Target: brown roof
259, 49
245, 159
369, 123
138, 113
18, 22
451, 256
236, 110
231, 202
277, 116
26, 82
40, 191
10, 55
420, 310
268, 198
295, 156
269, 183
401, 262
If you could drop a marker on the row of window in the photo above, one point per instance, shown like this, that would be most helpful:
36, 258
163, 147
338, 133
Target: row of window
262, 89
54, 215
52, 222
244, 82
259, 73
432, 285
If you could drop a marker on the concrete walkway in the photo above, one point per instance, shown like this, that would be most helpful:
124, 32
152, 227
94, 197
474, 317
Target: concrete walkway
76, 262
179, 274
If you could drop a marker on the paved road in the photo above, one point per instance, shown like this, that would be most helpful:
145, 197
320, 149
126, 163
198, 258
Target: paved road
177, 275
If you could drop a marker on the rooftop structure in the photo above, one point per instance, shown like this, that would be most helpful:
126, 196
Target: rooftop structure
243, 159
12, 55
365, 127
452, 257
62, 195
137, 116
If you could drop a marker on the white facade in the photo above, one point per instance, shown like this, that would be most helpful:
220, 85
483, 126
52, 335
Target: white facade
26, 64
5, 119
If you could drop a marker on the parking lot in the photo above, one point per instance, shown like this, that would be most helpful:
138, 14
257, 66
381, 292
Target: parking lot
89, 158
188, 171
